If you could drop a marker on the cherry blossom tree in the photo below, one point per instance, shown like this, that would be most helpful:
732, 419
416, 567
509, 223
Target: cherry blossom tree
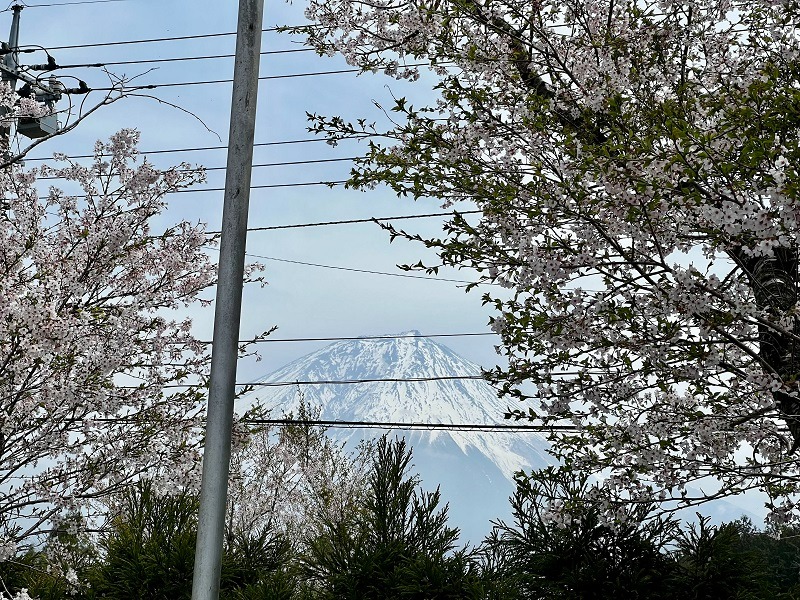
291, 477
634, 165
93, 359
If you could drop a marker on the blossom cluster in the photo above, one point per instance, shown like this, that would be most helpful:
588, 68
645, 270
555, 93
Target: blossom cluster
636, 170
292, 477
93, 357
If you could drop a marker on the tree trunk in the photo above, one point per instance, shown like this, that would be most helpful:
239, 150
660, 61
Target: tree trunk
774, 283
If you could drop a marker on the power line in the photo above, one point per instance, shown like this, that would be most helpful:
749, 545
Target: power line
275, 164
263, 186
408, 425
176, 59
353, 221
154, 86
252, 187
204, 148
68, 3
366, 380
164, 39
347, 221
289, 163
351, 338
354, 270
364, 337
332, 381
339, 423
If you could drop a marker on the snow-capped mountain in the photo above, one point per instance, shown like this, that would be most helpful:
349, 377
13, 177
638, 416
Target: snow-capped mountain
473, 468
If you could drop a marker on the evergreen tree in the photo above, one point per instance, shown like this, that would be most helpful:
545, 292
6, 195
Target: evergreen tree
398, 545
721, 562
559, 546
779, 550
148, 554
149, 550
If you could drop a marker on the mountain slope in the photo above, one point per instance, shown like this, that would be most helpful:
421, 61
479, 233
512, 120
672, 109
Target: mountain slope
435, 401
474, 469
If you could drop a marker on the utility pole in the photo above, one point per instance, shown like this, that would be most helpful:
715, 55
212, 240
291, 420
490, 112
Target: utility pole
9, 69
228, 309
12, 58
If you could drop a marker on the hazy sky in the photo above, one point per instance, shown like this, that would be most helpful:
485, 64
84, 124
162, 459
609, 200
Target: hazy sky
303, 301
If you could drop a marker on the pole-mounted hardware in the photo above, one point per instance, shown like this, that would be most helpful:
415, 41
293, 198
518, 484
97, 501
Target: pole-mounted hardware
46, 92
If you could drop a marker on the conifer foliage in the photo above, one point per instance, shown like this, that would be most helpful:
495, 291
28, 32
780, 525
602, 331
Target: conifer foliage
561, 545
398, 545
395, 542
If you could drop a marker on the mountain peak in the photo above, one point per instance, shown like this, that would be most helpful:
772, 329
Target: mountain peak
420, 382
403, 360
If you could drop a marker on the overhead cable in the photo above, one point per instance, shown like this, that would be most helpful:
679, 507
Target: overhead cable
275, 164
367, 271
204, 148
340, 423
333, 381
153, 86
252, 187
164, 39
407, 425
263, 186
361, 337
365, 380
353, 221
70, 3
288, 163
175, 59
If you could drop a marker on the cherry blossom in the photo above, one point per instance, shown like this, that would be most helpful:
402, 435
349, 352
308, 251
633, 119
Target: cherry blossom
291, 477
635, 165
98, 367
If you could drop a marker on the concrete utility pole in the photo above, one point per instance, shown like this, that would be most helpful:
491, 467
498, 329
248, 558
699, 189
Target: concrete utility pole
12, 58
228, 310
10, 65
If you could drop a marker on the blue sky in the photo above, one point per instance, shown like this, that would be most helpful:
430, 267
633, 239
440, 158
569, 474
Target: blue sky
302, 301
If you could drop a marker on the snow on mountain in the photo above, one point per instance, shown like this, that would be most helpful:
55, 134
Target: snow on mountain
434, 401
473, 468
